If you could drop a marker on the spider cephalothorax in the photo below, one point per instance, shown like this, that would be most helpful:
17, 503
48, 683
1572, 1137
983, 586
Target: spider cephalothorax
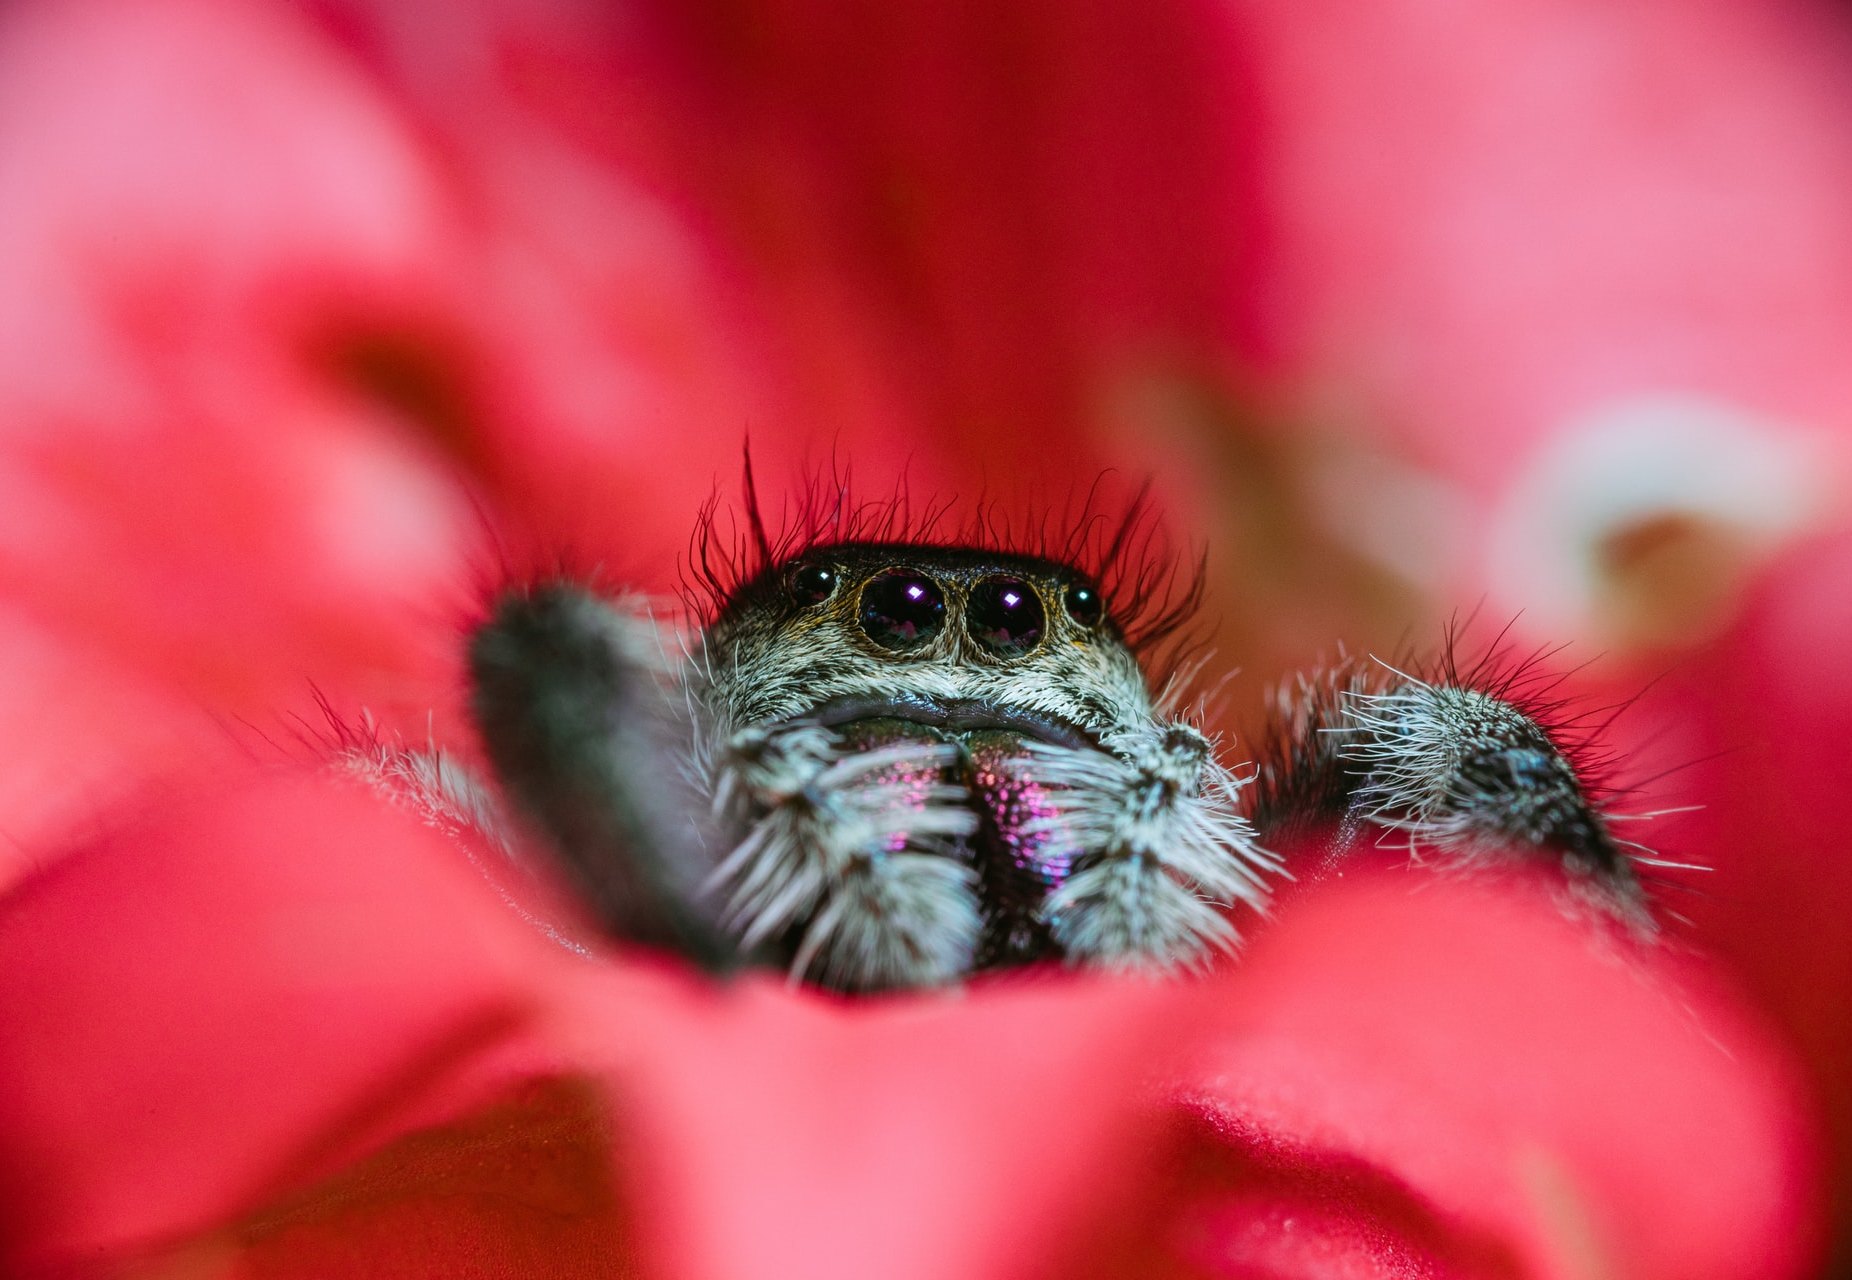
883, 761
937, 759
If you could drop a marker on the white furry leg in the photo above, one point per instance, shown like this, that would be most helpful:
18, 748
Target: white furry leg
1163, 851
1458, 769
1453, 770
861, 847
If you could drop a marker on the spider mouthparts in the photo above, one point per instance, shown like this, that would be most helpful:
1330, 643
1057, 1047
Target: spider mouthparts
1019, 849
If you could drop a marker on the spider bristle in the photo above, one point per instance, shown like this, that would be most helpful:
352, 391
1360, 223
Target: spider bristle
1152, 591
1533, 682
755, 518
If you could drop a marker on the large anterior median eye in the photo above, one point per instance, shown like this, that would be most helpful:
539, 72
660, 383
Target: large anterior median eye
902, 609
1004, 615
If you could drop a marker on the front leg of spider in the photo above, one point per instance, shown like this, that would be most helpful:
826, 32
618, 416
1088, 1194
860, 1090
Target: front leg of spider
1456, 766
853, 854
1154, 820
580, 730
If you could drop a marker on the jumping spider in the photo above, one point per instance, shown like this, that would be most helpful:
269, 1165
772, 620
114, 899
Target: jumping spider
887, 763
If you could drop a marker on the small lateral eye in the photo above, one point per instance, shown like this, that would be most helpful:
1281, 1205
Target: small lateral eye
810, 584
1083, 603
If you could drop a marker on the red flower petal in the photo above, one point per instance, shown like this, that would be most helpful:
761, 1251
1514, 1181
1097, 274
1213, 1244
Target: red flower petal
1485, 224
1466, 1079
286, 1020
203, 1002
216, 1014
190, 185
1755, 726
1022, 208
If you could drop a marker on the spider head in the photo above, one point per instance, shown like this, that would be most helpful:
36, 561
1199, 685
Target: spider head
947, 637
945, 678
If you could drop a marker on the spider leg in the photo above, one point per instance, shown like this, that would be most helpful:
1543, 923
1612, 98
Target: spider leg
1365, 755
579, 727
1161, 850
850, 858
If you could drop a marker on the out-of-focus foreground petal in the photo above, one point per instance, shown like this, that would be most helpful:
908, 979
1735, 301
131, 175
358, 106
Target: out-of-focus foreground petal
292, 1032
1465, 1080
225, 1019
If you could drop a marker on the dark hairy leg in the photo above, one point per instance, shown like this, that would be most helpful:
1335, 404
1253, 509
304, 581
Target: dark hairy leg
579, 727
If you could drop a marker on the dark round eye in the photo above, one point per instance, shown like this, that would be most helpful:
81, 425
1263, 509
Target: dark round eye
902, 609
811, 583
1083, 604
1004, 615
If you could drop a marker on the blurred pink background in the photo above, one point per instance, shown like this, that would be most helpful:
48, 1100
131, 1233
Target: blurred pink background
316, 317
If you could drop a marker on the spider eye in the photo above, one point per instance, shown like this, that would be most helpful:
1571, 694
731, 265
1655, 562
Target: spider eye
1084, 604
902, 609
811, 584
1005, 615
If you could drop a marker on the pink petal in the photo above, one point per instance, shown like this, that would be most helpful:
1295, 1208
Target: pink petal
1475, 1082
282, 1020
